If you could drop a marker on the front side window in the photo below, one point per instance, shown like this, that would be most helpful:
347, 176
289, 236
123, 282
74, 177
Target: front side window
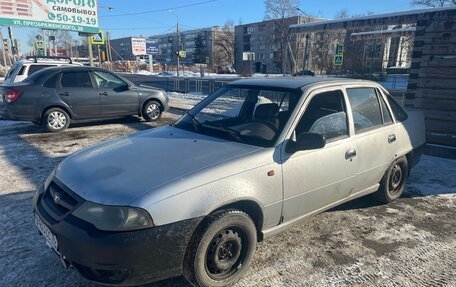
365, 108
325, 115
244, 114
76, 80
108, 81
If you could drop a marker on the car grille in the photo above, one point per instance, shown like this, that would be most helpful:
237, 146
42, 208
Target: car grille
59, 202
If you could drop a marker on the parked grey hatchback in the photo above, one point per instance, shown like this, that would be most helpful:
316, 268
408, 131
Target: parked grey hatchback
53, 97
249, 161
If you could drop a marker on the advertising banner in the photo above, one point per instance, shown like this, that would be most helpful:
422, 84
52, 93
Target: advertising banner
152, 46
138, 46
71, 15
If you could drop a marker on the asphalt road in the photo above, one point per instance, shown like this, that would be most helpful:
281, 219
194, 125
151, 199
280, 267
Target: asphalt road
411, 242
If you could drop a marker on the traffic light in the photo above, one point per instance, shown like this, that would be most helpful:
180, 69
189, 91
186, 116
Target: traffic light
6, 45
378, 50
10, 32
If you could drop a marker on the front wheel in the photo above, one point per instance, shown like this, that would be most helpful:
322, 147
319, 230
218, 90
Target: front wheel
393, 182
152, 111
55, 120
223, 250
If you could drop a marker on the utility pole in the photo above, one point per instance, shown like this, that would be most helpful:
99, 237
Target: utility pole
3, 49
45, 41
90, 51
178, 46
306, 49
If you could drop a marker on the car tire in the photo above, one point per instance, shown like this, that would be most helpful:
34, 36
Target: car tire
222, 249
152, 111
393, 182
55, 120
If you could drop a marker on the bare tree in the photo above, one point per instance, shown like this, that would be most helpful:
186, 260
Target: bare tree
434, 3
342, 14
224, 44
279, 10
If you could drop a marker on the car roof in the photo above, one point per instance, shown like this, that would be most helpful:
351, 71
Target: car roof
75, 68
294, 82
44, 62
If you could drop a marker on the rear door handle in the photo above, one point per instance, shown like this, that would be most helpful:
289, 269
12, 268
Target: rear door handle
391, 138
103, 93
65, 94
351, 153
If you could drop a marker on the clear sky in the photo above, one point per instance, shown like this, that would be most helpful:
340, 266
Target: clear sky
152, 21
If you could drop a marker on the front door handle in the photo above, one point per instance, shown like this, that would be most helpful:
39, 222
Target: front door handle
351, 153
391, 138
65, 94
103, 93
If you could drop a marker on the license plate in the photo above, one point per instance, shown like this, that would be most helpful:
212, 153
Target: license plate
51, 239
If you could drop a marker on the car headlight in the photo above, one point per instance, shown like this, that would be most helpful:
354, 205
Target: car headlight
114, 218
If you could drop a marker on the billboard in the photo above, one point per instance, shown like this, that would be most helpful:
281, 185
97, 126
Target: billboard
71, 15
138, 46
152, 46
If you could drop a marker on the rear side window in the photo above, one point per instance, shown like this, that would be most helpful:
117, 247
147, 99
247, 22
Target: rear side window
398, 111
21, 71
365, 108
36, 68
387, 119
76, 80
52, 81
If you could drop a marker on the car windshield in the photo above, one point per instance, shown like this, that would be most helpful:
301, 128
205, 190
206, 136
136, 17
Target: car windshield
250, 115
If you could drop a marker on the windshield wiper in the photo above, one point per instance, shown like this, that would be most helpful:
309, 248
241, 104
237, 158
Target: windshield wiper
195, 122
232, 132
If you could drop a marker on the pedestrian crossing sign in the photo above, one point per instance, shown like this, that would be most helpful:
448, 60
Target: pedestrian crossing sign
98, 38
39, 44
338, 60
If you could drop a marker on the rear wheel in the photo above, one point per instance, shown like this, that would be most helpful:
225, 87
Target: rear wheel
222, 251
393, 182
152, 111
55, 120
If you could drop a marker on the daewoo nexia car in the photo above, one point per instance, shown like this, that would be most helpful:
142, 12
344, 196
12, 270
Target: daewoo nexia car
53, 97
249, 161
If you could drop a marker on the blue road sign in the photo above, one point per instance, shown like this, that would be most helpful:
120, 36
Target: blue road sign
152, 47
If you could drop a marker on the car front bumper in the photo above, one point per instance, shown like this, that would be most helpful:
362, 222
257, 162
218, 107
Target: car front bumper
120, 258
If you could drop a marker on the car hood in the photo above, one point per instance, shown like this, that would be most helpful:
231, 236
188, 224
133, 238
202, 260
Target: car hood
119, 171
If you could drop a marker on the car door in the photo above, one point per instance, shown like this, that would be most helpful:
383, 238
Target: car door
374, 135
77, 90
116, 97
315, 179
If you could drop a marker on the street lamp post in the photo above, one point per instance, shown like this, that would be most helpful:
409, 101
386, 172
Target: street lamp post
178, 41
306, 48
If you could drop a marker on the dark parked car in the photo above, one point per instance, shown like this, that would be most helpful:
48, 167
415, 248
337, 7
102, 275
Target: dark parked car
304, 73
54, 97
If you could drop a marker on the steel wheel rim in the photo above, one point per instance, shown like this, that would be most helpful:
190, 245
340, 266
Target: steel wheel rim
395, 179
153, 111
56, 120
226, 253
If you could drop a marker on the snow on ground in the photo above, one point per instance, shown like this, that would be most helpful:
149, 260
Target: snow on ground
410, 242
437, 178
184, 101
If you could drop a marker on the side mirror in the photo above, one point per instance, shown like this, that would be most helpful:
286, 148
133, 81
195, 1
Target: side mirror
306, 141
123, 88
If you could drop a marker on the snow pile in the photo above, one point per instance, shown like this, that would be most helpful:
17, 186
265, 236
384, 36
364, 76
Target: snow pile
146, 73
432, 176
184, 101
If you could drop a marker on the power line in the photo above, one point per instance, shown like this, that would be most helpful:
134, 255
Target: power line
159, 10
138, 28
